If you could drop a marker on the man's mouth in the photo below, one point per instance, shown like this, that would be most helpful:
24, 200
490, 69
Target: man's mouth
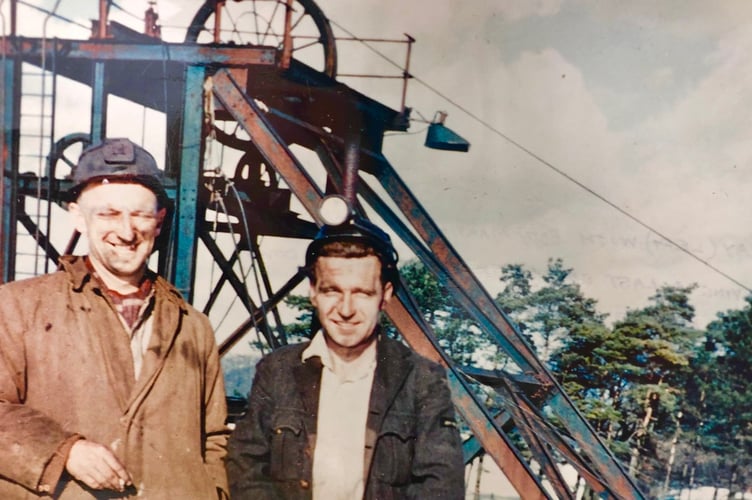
124, 248
346, 325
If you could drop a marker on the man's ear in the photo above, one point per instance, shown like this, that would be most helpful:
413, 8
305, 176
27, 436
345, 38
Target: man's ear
312, 293
78, 217
388, 293
160, 219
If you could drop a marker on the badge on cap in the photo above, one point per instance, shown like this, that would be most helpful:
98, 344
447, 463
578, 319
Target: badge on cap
118, 151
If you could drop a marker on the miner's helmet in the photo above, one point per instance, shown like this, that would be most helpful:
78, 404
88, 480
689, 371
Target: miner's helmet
350, 227
117, 160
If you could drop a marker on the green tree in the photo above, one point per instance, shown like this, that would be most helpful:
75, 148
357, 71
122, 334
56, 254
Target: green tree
457, 334
300, 329
718, 405
560, 307
629, 380
547, 314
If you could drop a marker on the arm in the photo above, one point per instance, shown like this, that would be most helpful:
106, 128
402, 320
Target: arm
37, 448
215, 428
437, 464
250, 445
29, 439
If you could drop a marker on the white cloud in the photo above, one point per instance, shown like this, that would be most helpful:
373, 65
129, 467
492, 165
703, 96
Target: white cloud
516, 10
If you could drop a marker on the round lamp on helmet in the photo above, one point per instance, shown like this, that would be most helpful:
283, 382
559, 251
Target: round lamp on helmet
354, 228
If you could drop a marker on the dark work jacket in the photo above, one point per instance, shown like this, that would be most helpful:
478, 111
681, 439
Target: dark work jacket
412, 449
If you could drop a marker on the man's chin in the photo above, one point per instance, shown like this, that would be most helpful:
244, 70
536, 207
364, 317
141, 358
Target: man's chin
349, 339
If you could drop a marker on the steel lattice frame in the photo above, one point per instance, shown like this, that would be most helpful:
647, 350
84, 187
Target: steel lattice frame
239, 77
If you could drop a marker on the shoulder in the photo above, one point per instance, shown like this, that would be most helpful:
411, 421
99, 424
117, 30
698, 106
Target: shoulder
284, 356
166, 292
33, 286
393, 349
422, 377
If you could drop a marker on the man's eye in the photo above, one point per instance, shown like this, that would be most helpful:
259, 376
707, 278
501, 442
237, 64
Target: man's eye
109, 214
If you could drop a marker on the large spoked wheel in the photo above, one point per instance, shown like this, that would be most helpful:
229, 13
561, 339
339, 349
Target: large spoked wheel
64, 155
262, 23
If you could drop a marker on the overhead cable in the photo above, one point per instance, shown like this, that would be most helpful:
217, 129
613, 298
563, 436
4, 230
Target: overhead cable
551, 166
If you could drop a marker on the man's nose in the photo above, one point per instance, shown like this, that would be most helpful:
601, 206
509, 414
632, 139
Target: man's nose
345, 308
125, 228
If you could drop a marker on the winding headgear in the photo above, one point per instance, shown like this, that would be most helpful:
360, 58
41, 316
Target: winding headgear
117, 160
359, 230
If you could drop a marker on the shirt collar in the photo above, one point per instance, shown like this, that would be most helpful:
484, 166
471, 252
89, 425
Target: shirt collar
318, 348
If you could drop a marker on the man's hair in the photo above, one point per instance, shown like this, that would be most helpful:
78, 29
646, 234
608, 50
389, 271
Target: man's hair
348, 250
356, 237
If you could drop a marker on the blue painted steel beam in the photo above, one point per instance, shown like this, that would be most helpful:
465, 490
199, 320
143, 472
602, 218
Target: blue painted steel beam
98, 103
406, 316
186, 202
10, 116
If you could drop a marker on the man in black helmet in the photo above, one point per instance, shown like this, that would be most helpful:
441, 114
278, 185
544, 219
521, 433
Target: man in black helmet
350, 414
110, 383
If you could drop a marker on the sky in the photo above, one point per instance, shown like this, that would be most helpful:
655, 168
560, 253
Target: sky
599, 130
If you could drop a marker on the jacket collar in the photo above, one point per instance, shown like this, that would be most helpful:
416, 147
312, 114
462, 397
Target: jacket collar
80, 275
165, 325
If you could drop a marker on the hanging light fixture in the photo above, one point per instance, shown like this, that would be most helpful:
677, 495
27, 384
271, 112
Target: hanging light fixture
441, 137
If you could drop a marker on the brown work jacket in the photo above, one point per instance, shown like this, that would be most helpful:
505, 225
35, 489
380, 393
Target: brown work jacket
66, 369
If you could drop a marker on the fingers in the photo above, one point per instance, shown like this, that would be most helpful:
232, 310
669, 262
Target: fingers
97, 466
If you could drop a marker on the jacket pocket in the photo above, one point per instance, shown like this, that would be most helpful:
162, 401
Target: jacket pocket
287, 447
395, 446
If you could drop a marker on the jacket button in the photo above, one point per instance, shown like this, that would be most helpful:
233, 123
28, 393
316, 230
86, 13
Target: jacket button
304, 484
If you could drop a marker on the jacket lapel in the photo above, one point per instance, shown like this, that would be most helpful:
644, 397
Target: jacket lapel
392, 369
107, 332
307, 376
164, 320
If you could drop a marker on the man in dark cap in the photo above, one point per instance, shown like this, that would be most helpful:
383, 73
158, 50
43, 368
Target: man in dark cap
350, 414
110, 383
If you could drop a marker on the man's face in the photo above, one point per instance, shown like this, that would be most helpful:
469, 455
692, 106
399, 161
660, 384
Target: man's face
348, 296
122, 221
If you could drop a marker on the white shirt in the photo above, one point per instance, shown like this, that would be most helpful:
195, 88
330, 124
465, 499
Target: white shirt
338, 457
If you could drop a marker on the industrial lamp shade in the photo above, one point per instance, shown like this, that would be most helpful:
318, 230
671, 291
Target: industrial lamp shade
441, 137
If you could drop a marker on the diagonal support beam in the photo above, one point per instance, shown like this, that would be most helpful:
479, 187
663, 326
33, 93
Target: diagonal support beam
484, 306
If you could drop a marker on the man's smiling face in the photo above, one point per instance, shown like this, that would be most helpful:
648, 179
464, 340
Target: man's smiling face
348, 296
121, 221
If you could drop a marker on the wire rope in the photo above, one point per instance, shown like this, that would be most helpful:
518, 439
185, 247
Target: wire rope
57, 16
552, 167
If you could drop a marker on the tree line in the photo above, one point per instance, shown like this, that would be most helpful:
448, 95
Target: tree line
673, 402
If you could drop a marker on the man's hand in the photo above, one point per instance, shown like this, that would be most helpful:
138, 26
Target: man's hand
97, 466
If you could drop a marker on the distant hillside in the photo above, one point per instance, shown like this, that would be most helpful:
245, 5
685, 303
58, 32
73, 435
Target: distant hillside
239, 371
